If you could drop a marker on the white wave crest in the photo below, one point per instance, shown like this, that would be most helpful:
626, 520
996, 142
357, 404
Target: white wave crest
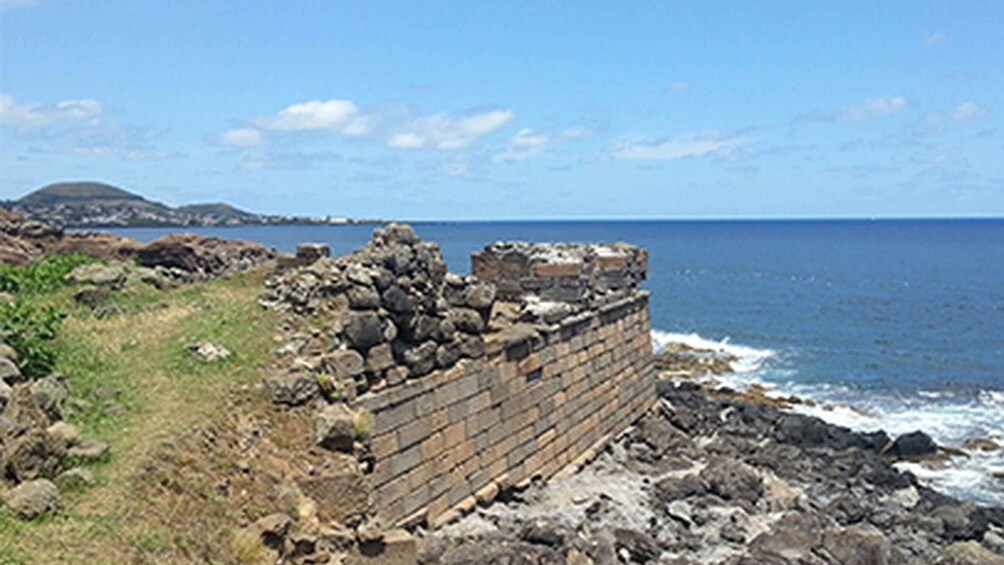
748, 359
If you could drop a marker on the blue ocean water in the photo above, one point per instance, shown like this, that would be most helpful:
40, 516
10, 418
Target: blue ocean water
894, 324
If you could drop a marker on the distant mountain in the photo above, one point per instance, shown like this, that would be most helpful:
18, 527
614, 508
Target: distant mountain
82, 193
97, 204
218, 209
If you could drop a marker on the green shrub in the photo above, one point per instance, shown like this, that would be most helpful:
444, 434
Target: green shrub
30, 328
44, 275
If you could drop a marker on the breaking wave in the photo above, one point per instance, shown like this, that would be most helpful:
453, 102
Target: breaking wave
949, 417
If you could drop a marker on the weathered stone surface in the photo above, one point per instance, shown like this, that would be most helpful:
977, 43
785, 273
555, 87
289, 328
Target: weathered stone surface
363, 329
334, 427
471, 346
308, 253
89, 451
420, 359
732, 480
9, 373
5, 394
208, 351
293, 389
479, 296
200, 258
75, 478
379, 358
345, 364
106, 276
272, 530
914, 445
981, 444
467, 320
447, 354
33, 455
31, 499
64, 432
639, 546
396, 300
340, 496
561, 272
678, 488
363, 297
968, 553
860, 545
395, 547
7, 352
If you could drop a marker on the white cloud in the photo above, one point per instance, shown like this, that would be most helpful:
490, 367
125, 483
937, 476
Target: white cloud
14, 114
526, 137
935, 38
872, 108
968, 111
448, 132
241, 137
406, 141
9, 4
576, 133
528, 143
694, 144
340, 116
679, 86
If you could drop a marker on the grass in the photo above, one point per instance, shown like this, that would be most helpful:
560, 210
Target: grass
137, 388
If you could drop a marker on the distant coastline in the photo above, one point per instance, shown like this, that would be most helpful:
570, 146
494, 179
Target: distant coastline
97, 205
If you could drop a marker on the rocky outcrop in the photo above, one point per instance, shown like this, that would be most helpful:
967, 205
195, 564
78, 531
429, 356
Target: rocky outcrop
193, 258
36, 444
177, 257
680, 359
714, 479
22, 241
31, 499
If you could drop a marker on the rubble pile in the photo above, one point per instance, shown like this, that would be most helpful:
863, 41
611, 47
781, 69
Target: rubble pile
38, 448
391, 310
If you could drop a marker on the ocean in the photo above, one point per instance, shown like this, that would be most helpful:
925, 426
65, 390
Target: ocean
888, 324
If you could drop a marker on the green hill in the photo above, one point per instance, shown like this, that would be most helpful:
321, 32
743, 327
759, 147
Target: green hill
219, 210
81, 193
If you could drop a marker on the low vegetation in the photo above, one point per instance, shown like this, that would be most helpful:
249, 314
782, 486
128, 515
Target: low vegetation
136, 386
29, 320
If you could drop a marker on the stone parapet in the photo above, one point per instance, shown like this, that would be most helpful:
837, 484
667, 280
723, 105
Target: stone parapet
561, 272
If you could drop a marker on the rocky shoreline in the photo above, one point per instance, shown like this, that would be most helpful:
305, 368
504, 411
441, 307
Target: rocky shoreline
716, 476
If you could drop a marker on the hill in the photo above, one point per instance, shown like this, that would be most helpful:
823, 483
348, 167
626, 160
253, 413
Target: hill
218, 209
77, 193
98, 204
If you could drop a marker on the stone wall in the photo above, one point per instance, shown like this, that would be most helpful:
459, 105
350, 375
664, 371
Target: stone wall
446, 389
563, 272
541, 399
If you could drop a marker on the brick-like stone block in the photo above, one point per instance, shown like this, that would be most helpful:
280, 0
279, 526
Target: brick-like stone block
339, 496
397, 547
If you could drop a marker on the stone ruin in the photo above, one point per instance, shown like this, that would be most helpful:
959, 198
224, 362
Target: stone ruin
394, 311
577, 273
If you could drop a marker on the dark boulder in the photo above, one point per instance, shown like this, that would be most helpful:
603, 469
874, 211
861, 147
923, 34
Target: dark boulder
911, 446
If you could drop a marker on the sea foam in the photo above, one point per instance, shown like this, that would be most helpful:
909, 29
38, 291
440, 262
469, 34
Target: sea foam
948, 417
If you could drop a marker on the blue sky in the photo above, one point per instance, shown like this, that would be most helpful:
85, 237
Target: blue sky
512, 109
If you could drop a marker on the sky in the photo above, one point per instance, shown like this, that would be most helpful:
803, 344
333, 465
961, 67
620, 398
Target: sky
512, 109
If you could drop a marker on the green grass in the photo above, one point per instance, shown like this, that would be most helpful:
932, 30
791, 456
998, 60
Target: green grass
137, 387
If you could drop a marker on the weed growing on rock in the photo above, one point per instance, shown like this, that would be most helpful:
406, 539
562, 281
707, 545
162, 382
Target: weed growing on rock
44, 275
30, 328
